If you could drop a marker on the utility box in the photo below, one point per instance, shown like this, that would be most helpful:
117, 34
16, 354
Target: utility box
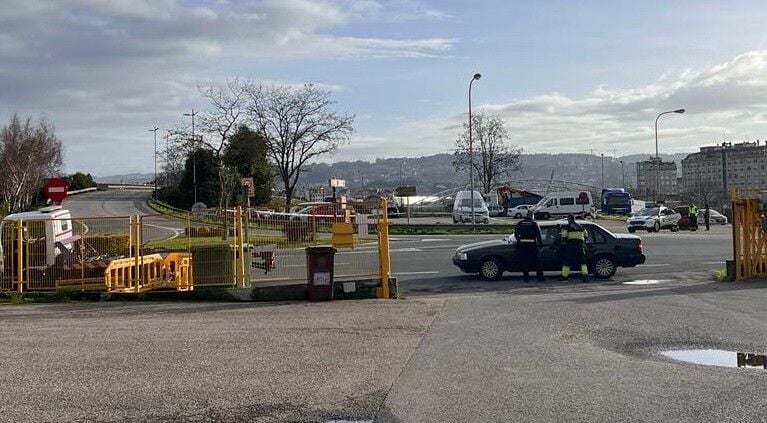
319, 265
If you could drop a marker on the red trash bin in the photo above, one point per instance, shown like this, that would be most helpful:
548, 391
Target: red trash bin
319, 265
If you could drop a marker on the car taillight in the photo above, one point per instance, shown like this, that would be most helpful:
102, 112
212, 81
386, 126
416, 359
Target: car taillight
638, 247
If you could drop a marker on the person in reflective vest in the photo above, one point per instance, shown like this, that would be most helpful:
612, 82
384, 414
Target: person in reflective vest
528, 236
707, 217
573, 238
693, 215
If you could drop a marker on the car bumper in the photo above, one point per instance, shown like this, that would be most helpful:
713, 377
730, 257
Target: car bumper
640, 225
466, 266
633, 261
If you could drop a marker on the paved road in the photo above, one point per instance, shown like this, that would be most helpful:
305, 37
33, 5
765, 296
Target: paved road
456, 349
109, 211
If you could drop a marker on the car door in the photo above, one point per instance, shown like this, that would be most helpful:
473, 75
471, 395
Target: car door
595, 242
549, 253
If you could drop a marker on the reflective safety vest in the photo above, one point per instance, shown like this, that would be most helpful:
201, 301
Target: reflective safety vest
573, 234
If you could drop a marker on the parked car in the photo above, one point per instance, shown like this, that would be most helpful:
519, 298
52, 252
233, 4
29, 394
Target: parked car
715, 218
654, 219
520, 211
605, 252
494, 210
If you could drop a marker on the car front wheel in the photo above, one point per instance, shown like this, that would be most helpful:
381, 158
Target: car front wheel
518, 216
604, 267
490, 269
656, 227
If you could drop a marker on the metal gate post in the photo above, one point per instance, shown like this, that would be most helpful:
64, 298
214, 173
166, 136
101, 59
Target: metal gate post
240, 247
20, 256
383, 251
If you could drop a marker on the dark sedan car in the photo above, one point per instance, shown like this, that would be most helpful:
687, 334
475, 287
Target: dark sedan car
605, 252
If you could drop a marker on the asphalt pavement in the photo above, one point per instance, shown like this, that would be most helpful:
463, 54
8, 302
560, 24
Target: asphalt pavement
455, 349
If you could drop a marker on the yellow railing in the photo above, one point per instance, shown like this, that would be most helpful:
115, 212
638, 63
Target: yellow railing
152, 272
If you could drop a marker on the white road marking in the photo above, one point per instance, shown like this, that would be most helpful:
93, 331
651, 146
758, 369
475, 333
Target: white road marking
654, 265
406, 250
646, 281
176, 232
430, 272
434, 240
713, 262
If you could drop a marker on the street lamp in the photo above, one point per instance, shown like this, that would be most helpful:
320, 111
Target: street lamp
623, 175
471, 153
194, 160
154, 193
657, 156
603, 170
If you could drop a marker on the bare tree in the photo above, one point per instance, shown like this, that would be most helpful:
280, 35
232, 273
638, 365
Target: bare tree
30, 153
700, 192
219, 124
298, 125
493, 157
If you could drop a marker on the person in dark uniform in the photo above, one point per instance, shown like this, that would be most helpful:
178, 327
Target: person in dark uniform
573, 238
528, 236
707, 216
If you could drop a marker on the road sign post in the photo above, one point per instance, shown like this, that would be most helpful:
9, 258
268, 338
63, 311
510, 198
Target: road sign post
249, 189
407, 192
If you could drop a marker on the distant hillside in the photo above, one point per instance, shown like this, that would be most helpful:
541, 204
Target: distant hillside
128, 178
435, 173
432, 174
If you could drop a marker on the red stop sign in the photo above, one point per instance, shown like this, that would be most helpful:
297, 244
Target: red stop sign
56, 189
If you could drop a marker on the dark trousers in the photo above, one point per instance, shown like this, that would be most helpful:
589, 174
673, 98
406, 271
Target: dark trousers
527, 252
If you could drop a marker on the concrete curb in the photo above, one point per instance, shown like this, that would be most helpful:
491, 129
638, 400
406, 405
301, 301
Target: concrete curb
342, 290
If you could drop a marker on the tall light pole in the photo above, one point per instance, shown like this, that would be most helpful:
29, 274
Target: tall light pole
471, 153
623, 175
603, 170
194, 151
154, 193
657, 156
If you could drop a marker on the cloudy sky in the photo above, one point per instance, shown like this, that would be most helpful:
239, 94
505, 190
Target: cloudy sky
566, 76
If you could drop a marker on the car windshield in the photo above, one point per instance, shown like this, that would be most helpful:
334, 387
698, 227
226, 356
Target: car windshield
648, 212
618, 201
466, 202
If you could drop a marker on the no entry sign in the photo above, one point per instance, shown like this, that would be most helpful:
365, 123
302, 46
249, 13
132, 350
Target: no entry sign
56, 189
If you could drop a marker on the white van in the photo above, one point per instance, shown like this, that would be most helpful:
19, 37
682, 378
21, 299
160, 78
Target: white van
557, 204
462, 208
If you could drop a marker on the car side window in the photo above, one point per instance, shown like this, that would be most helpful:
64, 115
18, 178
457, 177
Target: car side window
549, 234
595, 235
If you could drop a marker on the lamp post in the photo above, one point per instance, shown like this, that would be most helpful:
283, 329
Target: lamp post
471, 153
623, 175
194, 159
603, 170
154, 193
657, 156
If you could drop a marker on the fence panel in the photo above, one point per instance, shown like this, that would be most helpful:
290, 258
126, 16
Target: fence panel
276, 243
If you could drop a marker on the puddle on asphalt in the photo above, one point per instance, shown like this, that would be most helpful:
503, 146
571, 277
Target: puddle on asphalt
646, 281
720, 358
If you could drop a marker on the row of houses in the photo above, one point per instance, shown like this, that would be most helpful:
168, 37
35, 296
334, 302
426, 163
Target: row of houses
708, 175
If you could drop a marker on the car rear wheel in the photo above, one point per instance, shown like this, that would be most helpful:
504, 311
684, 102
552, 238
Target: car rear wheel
490, 269
603, 267
518, 216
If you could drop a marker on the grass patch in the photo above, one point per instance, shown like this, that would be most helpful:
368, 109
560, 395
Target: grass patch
60, 296
450, 230
720, 275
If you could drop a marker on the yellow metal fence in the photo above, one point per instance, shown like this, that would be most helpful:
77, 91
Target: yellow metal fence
226, 248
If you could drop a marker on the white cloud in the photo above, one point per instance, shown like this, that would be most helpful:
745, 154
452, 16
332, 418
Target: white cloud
728, 97
105, 69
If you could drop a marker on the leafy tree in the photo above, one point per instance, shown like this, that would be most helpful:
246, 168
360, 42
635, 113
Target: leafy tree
246, 155
80, 180
30, 152
298, 125
494, 158
182, 195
